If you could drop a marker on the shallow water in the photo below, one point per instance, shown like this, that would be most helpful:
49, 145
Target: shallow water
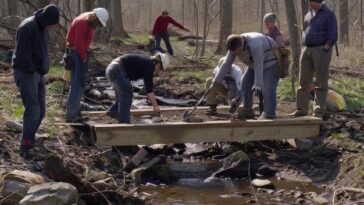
229, 192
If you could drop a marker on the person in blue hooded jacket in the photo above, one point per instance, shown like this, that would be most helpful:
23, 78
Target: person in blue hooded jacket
30, 63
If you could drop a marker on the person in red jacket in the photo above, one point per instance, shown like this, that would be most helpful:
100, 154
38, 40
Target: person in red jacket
160, 31
79, 38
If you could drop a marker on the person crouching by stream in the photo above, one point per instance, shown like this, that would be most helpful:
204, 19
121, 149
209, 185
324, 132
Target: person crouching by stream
229, 88
130, 67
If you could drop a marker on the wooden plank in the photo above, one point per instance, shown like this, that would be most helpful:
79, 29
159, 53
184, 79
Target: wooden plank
139, 112
211, 131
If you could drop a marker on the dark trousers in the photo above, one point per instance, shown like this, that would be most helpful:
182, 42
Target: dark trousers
123, 92
32, 92
78, 84
165, 37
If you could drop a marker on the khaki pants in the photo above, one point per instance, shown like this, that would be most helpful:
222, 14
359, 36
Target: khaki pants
314, 61
217, 91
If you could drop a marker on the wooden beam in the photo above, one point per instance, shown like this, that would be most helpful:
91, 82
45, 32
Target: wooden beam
139, 112
211, 131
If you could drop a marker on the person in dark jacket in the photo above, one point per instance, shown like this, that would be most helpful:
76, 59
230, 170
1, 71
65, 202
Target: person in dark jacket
30, 63
160, 31
131, 67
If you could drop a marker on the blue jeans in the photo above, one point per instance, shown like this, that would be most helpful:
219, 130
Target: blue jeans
78, 83
123, 92
165, 37
270, 79
32, 92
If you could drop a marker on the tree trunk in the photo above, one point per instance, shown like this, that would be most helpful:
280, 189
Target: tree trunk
361, 23
205, 26
88, 5
262, 15
343, 21
196, 16
12, 7
42, 3
294, 39
275, 6
226, 24
117, 28
304, 9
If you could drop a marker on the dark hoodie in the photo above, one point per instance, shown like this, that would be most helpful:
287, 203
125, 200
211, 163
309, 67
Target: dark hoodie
31, 53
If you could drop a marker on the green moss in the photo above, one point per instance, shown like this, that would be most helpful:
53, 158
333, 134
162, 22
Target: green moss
285, 92
56, 71
137, 38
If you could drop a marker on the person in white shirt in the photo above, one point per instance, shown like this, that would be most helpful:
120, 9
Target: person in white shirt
229, 88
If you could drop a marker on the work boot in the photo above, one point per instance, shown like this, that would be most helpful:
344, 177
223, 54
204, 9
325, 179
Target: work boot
212, 110
27, 152
298, 113
265, 117
78, 119
317, 112
246, 113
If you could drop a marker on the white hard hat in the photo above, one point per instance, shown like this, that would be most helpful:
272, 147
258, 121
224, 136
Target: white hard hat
165, 60
102, 14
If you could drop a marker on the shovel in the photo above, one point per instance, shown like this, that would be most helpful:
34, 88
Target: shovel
188, 113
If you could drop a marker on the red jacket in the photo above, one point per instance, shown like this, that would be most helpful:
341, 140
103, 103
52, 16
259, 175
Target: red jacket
79, 36
161, 24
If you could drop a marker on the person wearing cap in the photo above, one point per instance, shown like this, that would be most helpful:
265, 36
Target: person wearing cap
228, 88
256, 51
79, 38
30, 63
319, 36
160, 31
273, 30
131, 67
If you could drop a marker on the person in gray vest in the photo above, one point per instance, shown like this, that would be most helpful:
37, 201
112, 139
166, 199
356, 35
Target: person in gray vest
254, 50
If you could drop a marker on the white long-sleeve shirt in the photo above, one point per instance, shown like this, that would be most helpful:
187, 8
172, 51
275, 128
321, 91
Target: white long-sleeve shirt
232, 79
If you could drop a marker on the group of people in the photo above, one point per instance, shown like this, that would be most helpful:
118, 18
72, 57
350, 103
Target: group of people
30, 63
260, 78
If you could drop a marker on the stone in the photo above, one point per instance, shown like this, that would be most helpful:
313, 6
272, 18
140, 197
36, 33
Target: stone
137, 159
235, 158
266, 171
17, 127
298, 194
262, 183
137, 173
319, 200
16, 185
55, 193
301, 144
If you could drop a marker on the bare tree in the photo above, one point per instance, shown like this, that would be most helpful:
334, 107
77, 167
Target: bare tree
12, 7
294, 38
361, 23
88, 5
196, 16
304, 9
275, 6
117, 19
343, 21
262, 15
226, 24
42, 3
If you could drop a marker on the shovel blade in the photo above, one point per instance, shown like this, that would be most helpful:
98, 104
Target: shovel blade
186, 114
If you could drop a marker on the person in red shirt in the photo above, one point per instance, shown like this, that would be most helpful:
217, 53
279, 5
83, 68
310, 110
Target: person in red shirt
79, 38
160, 31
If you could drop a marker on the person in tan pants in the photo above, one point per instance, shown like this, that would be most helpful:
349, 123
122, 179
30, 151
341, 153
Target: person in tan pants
229, 88
319, 36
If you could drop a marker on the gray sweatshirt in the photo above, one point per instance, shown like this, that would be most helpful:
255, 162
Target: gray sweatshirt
256, 54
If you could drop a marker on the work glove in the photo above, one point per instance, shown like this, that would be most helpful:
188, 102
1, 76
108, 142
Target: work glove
235, 102
257, 91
